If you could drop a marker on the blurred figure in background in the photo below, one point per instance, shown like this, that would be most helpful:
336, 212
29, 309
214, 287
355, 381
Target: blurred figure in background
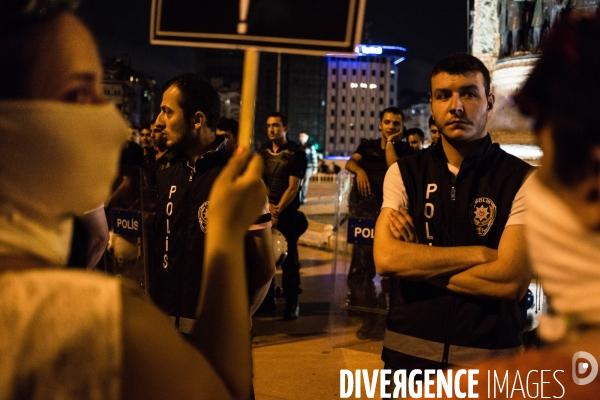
434, 132
415, 138
312, 164
229, 128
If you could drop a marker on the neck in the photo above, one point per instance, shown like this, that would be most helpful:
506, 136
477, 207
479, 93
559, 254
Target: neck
277, 143
456, 151
202, 142
160, 152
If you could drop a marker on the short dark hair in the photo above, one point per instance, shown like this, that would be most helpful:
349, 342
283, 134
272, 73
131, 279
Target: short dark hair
562, 92
393, 110
461, 64
135, 127
197, 95
431, 121
279, 115
228, 124
415, 131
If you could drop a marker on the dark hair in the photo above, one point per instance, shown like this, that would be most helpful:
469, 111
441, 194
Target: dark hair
415, 131
283, 118
562, 92
228, 124
431, 121
197, 95
22, 25
393, 110
135, 127
461, 64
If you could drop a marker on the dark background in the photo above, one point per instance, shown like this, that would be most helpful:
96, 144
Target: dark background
428, 29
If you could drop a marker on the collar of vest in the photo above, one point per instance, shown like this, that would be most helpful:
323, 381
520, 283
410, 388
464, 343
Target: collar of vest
473, 158
211, 158
289, 145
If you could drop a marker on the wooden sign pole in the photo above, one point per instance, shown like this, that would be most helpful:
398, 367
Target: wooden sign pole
249, 83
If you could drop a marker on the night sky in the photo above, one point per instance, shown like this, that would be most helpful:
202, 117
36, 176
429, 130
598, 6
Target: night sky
428, 29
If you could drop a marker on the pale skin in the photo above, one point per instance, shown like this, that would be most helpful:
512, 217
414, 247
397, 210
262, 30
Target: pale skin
158, 363
391, 126
460, 105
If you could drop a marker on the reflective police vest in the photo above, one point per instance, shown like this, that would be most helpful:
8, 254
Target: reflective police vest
431, 327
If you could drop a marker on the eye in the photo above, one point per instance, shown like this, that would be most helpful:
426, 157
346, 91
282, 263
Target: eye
79, 95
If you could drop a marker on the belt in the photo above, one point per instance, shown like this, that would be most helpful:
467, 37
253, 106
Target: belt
434, 351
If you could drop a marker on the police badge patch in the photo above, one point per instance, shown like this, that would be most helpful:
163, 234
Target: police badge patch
202, 216
484, 211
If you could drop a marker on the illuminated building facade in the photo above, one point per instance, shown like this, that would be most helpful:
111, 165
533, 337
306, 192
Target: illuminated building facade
358, 89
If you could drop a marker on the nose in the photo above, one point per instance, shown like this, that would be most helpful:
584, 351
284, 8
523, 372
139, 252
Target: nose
160, 124
456, 105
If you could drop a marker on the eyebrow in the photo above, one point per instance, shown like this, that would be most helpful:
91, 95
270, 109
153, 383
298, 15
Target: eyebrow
85, 76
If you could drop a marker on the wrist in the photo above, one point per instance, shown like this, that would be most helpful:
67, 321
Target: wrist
389, 141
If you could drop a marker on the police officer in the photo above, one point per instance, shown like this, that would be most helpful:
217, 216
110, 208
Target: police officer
285, 166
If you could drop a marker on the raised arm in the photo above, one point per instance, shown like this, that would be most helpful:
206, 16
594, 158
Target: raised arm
390, 151
507, 277
215, 361
419, 262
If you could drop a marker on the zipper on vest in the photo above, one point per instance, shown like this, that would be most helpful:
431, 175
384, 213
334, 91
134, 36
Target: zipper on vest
453, 194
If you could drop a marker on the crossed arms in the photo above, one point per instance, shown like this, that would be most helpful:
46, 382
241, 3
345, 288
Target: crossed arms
472, 270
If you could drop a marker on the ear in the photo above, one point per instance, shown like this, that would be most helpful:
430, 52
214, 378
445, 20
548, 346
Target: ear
491, 99
199, 120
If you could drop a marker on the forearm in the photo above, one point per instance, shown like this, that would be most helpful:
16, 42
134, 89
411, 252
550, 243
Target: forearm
261, 266
420, 262
223, 306
353, 166
390, 154
507, 277
287, 197
485, 280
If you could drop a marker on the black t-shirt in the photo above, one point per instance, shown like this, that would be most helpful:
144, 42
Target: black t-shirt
373, 160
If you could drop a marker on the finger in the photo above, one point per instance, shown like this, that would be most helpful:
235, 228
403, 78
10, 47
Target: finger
368, 188
406, 215
401, 226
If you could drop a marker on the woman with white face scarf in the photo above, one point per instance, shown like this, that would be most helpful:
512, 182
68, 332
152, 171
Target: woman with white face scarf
71, 334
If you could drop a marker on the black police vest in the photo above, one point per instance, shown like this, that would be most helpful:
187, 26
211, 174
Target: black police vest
277, 169
467, 210
181, 223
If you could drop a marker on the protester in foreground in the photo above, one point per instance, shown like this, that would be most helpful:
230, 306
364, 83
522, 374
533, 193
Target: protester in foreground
75, 334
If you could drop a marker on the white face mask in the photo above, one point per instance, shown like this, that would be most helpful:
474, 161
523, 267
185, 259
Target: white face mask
566, 256
56, 160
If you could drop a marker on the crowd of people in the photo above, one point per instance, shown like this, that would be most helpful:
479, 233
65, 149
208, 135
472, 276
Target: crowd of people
460, 226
